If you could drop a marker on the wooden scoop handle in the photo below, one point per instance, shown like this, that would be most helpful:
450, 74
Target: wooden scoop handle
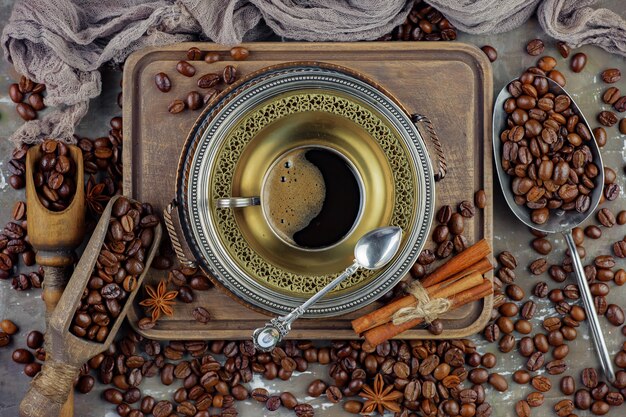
49, 391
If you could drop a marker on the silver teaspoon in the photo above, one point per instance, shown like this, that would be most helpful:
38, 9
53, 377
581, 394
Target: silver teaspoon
373, 251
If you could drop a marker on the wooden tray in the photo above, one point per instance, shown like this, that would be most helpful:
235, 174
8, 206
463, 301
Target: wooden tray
449, 82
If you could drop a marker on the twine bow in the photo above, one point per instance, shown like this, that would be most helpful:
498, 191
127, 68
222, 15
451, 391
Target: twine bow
426, 308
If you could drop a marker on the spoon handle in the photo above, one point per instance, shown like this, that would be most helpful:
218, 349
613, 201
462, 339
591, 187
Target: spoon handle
300, 310
592, 316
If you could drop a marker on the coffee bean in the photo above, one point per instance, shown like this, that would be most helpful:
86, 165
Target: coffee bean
15, 94
229, 74
620, 105
36, 102
22, 356
8, 327
538, 266
535, 47
540, 290
289, 401
582, 399
441, 233
507, 259
546, 63
32, 369
162, 409
527, 348
194, 54
193, 100
273, 403
601, 136
239, 53
535, 399
542, 246
456, 224
593, 232
34, 340
521, 377
563, 49
611, 95
444, 214
556, 367
466, 208
611, 75
113, 396
26, 111
578, 62
316, 388
209, 80
564, 408
535, 361
541, 383
607, 118
589, 377
611, 191
491, 52
522, 409
352, 406
185, 68
176, 106
622, 126
201, 315
5, 339
615, 314
507, 343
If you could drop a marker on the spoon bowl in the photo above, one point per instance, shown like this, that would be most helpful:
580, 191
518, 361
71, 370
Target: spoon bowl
560, 221
376, 248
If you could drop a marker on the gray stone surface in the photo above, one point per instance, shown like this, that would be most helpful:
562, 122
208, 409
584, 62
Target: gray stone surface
26, 308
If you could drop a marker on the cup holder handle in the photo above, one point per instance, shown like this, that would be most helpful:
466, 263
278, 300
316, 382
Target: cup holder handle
424, 122
174, 230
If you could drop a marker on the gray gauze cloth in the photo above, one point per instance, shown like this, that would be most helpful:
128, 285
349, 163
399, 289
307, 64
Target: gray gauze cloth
64, 43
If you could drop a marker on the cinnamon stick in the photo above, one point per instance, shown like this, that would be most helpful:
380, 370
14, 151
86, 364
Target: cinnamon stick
386, 331
384, 314
483, 266
458, 263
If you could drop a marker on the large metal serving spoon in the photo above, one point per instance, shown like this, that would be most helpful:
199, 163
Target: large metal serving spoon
373, 251
559, 221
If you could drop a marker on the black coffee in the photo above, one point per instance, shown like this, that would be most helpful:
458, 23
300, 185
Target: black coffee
312, 197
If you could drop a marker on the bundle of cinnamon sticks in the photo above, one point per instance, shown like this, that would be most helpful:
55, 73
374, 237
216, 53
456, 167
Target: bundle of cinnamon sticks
460, 280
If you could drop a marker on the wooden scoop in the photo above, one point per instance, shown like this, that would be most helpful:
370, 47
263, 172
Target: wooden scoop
66, 352
54, 235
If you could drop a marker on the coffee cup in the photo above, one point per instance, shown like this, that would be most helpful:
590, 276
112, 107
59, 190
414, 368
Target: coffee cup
312, 197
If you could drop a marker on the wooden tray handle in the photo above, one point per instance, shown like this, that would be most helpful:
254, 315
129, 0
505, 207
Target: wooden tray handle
421, 120
175, 231
49, 390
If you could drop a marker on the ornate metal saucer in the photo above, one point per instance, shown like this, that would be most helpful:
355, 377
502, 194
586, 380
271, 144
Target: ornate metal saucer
277, 109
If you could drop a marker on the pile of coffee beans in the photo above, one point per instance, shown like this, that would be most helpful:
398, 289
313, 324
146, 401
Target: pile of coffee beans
32, 357
28, 97
545, 147
14, 246
546, 348
613, 97
424, 23
54, 176
120, 263
195, 100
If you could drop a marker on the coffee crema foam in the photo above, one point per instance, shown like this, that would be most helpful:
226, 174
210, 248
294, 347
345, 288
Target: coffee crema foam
294, 194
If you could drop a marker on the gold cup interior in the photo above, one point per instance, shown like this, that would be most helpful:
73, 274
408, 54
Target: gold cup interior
322, 129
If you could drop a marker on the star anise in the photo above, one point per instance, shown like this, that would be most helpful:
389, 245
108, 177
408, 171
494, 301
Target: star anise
95, 197
159, 300
380, 398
